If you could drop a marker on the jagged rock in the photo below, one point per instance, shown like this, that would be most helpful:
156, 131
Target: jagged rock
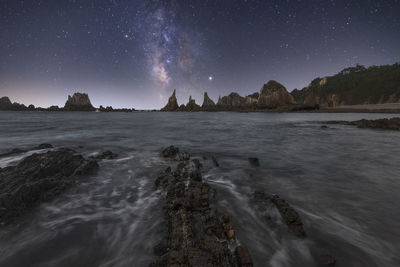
290, 215
273, 95
79, 102
254, 162
208, 104
172, 104
170, 152
38, 178
105, 155
196, 235
191, 105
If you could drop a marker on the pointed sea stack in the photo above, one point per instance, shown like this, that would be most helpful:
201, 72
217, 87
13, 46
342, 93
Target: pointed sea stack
208, 104
5, 103
172, 104
78, 102
273, 95
191, 105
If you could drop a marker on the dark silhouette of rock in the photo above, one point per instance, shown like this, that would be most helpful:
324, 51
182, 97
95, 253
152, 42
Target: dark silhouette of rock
254, 162
105, 155
5, 103
243, 256
273, 95
291, 217
43, 146
386, 124
31, 107
170, 152
38, 178
215, 161
196, 235
54, 108
79, 102
191, 105
172, 104
208, 104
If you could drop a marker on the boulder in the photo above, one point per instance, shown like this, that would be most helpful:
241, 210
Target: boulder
38, 178
79, 102
172, 104
274, 95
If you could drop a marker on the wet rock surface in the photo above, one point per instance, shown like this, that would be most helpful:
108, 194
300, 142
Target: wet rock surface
39, 178
196, 235
105, 155
387, 124
15, 151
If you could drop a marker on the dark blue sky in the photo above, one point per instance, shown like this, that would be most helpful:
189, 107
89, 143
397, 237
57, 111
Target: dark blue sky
134, 53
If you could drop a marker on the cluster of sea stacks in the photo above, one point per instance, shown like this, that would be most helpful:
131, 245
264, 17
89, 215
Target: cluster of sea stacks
272, 96
77, 102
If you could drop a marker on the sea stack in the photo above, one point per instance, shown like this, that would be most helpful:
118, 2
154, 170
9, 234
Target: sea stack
208, 104
172, 104
5, 103
273, 95
78, 102
191, 105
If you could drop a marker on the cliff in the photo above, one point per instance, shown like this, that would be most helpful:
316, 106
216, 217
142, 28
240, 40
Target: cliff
274, 95
79, 102
353, 86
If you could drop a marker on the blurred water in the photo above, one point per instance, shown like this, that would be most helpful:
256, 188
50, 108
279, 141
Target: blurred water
344, 182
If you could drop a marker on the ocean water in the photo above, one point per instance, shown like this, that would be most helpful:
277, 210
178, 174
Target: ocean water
343, 181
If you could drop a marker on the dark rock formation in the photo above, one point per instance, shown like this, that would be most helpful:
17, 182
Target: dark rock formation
5, 103
196, 235
79, 102
291, 217
231, 102
327, 260
111, 109
254, 162
172, 104
192, 106
170, 152
273, 95
31, 107
38, 178
18, 150
208, 104
215, 161
386, 124
54, 108
105, 155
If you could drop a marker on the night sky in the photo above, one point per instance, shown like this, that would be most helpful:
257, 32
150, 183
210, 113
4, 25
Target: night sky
134, 53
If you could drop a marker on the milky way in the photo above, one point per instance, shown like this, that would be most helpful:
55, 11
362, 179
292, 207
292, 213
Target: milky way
135, 53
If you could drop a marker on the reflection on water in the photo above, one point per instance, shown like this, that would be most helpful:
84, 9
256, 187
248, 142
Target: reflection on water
343, 181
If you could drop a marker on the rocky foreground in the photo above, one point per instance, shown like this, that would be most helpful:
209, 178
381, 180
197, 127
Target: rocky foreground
39, 177
386, 124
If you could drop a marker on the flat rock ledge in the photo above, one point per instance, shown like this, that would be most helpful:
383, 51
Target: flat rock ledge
39, 178
197, 235
387, 124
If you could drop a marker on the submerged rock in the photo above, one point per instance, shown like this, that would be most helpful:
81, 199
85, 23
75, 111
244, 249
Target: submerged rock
39, 178
170, 152
290, 215
386, 124
105, 155
79, 102
172, 104
254, 162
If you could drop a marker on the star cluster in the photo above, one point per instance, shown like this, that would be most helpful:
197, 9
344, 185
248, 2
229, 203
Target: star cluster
134, 53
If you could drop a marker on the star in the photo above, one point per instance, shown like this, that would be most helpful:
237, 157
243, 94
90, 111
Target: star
210, 78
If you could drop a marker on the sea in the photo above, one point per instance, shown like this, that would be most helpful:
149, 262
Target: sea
343, 181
